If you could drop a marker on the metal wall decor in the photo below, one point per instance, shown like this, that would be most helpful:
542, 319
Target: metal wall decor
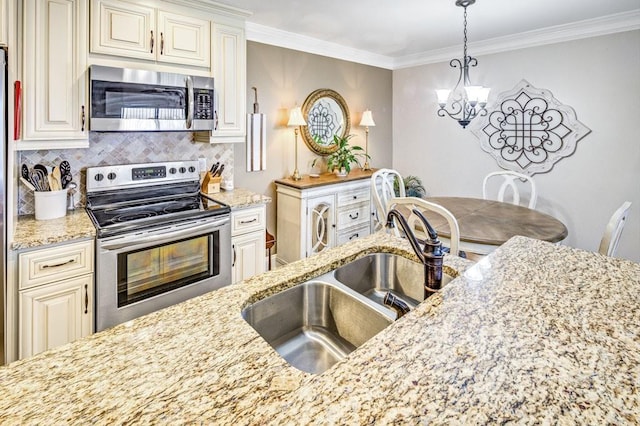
529, 130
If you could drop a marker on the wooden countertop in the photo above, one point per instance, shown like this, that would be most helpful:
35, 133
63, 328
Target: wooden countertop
533, 333
325, 179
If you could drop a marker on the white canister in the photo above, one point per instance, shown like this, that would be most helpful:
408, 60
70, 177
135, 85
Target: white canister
50, 204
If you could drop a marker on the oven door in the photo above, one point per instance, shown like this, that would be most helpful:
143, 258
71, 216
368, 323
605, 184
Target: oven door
142, 272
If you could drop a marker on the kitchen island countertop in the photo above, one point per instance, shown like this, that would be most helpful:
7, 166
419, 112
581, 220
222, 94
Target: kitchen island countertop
534, 333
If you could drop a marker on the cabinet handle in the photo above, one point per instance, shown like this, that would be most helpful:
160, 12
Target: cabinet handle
244, 222
84, 118
234, 256
152, 40
353, 236
56, 265
161, 43
215, 124
355, 197
86, 299
354, 217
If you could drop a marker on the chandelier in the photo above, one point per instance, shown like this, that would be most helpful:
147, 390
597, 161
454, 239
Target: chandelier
465, 103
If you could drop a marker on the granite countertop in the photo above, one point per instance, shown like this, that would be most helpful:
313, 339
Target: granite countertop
32, 233
534, 333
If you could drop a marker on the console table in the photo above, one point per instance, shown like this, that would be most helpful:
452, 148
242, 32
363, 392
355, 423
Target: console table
315, 214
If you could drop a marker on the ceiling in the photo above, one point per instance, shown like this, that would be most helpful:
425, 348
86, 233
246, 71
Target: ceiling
404, 32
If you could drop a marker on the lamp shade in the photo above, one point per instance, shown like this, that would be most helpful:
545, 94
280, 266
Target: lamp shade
296, 118
367, 119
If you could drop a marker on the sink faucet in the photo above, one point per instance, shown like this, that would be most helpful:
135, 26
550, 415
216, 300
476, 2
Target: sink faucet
431, 255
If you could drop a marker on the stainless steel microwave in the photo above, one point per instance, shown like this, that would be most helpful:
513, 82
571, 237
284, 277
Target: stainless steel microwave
138, 100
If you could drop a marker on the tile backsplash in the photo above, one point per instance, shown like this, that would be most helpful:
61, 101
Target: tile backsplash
107, 148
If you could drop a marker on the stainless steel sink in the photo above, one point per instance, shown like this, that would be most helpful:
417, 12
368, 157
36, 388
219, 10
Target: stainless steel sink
376, 274
315, 324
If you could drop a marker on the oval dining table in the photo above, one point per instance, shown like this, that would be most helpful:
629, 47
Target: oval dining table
487, 224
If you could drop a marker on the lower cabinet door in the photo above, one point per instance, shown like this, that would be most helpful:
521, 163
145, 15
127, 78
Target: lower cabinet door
248, 255
54, 314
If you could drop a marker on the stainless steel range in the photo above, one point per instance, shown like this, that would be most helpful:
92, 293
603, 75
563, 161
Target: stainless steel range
160, 241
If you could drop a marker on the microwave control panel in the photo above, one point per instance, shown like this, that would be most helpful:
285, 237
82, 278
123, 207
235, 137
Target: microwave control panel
203, 109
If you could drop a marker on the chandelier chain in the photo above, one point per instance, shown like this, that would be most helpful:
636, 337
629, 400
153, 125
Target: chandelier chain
465, 33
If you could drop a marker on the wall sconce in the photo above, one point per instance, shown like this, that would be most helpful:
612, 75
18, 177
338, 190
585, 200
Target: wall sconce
295, 120
366, 122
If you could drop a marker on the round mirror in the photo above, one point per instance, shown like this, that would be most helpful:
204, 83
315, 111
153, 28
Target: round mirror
326, 114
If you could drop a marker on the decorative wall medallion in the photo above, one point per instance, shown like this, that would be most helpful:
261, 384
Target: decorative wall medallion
529, 130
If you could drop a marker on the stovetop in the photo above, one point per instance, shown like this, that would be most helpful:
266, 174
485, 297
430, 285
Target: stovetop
141, 196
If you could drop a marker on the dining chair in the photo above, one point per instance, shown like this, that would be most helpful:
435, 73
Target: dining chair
382, 190
509, 178
406, 205
612, 232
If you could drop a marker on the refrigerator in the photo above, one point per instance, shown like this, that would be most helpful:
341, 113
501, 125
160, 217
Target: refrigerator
3, 198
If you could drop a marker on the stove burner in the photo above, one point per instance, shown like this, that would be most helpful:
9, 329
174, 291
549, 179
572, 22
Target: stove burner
180, 207
126, 217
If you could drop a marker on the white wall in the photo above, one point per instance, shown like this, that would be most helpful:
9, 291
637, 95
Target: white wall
599, 77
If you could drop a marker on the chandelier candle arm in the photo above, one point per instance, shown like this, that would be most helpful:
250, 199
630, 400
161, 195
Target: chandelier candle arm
366, 122
465, 103
296, 120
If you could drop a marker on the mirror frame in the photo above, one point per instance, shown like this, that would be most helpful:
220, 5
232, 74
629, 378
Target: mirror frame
314, 97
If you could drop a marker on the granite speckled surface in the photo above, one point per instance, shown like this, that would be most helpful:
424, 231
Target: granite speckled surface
240, 197
535, 333
32, 233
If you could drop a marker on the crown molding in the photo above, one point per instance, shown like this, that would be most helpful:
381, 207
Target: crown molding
273, 36
610, 24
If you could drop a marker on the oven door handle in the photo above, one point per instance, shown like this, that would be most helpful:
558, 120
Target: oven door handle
134, 241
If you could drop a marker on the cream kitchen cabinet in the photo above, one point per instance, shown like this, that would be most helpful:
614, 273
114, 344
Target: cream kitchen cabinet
133, 30
317, 214
229, 74
54, 78
248, 227
55, 296
3, 23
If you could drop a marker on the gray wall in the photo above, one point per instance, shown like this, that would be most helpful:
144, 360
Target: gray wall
284, 78
598, 77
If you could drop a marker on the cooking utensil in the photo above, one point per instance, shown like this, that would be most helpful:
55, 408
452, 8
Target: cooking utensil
219, 171
42, 168
56, 179
39, 180
24, 171
27, 183
65, 171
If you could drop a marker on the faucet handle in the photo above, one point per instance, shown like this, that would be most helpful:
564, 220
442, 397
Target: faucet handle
432, 245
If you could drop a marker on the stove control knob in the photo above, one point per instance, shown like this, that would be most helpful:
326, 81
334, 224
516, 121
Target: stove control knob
111, 176
192, 169
172, 170
98, 177
182, 169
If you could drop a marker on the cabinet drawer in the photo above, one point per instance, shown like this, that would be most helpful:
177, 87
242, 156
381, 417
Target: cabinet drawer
353, 233
354, 196
54, 264
353, 215
247, 220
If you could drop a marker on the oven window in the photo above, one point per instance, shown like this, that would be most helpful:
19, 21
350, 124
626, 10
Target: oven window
137, 101
155, 270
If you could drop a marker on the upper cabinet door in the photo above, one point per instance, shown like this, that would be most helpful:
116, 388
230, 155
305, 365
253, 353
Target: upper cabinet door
183, 40
229, 73
3, 22
123, 29
55, 72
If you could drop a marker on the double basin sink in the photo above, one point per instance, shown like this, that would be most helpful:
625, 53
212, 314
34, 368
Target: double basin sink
317, 323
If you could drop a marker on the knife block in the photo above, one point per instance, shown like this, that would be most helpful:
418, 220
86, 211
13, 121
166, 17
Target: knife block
210, 184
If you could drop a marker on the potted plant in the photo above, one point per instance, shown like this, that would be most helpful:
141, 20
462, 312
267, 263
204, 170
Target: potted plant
341, 159
413, 187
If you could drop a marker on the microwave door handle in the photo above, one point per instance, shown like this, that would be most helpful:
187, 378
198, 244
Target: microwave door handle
189, 102
129, 242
